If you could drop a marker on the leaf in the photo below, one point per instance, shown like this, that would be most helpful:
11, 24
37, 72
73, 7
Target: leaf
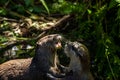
118, 1
89, 11
44, 4
3, 12
28, 2
20, 8
118, 14
112, 4
37, 9
60, 1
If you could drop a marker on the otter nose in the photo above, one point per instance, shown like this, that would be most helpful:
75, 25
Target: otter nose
58, 45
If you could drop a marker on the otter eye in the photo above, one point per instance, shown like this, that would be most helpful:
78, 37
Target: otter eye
78, 53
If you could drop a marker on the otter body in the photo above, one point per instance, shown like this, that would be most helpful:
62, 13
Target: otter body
79, 61
44, 62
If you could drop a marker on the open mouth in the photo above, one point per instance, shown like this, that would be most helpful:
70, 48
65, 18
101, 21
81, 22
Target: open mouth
58, 45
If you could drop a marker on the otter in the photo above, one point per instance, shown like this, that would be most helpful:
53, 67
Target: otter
79, 61
43, 64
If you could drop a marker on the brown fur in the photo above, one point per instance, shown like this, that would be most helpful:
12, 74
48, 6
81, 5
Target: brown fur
79, 62
44, 62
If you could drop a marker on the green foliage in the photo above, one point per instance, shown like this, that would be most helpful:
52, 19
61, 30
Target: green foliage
3, 12
65, 7
25, 7
29, 2
3, 39
44, 4
96, 22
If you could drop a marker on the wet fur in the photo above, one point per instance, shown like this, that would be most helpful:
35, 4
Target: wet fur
79, 61
34, 68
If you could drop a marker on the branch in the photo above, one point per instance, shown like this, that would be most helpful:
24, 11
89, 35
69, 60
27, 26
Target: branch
59, 22
7, 19
12, 44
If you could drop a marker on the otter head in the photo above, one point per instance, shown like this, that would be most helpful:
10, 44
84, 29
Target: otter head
73, 48
52, 41
79, 50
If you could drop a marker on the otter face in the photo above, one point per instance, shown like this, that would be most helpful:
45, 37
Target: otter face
73, 48
76, 50
57, 41
52, 41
